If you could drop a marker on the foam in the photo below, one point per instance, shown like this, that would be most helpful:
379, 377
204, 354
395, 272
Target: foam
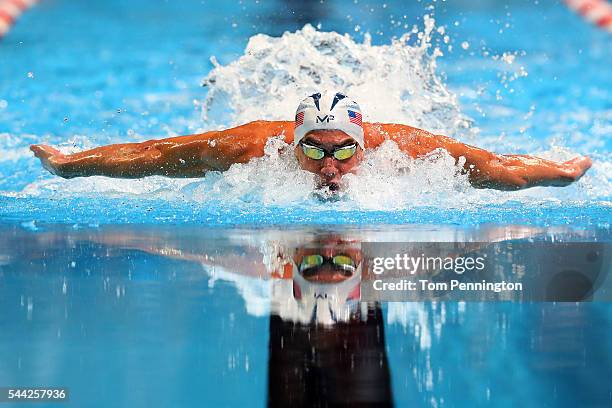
392, 83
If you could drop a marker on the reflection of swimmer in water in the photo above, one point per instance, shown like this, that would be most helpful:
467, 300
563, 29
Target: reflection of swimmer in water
306, 278
329, 138
325, 283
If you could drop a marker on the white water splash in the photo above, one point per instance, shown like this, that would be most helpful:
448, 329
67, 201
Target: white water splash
389, 179
273, 179
393, 83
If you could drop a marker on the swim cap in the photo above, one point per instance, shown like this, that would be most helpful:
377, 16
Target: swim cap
328, 110
325, 303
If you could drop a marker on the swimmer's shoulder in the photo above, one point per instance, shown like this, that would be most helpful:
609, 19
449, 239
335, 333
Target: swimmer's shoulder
265, 129
255, 132
404, 135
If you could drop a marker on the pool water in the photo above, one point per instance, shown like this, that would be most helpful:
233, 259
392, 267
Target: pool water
187, 316
163, 292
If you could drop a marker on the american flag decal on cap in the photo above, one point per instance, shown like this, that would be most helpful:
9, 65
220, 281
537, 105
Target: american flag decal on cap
299, 119
355, 117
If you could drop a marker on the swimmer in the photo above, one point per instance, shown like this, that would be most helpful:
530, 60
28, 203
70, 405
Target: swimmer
329, 139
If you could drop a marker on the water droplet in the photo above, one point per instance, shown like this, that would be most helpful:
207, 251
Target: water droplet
30, 308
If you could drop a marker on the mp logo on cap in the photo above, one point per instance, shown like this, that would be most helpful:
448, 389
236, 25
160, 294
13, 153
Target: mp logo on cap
326, 118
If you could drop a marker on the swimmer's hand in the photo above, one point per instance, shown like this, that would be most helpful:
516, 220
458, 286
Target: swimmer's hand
51, 159
572, 170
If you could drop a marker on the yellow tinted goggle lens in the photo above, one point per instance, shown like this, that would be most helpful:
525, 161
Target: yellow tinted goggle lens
317, 153
310, 261
345, 152
342, 260
313, 152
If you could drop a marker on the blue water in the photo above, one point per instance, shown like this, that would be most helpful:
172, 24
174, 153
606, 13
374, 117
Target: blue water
181, 316
113, 312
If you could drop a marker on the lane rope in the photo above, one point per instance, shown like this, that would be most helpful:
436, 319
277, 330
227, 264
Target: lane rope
598, 12
10, 10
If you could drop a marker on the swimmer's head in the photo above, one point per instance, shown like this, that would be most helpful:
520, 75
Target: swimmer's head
329, 136
327, 280
328, 111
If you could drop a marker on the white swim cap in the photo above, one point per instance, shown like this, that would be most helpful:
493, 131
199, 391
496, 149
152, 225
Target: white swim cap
328, 110
325, 303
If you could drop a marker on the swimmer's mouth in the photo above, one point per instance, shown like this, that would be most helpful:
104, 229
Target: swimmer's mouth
335, 187
329, 190
332, 186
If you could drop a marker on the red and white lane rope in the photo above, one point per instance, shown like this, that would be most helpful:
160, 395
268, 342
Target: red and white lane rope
598, 12
10, 10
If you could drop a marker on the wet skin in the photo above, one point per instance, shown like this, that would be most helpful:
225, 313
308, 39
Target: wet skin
329, 169
195, 155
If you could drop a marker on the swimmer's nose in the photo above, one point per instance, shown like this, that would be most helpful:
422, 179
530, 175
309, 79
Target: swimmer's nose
328, 171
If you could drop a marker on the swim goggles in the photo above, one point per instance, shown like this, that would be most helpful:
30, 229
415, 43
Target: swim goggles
339, 153
311, 263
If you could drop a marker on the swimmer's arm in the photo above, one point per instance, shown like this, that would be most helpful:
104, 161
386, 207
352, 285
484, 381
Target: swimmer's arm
183, 156
246, 261
514, 171
485, 169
